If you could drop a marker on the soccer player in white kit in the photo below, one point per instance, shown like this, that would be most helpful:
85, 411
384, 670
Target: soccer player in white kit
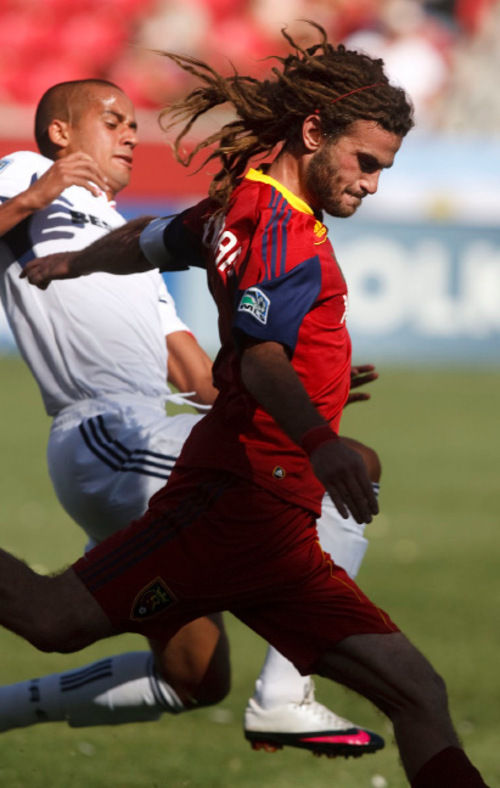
96, 347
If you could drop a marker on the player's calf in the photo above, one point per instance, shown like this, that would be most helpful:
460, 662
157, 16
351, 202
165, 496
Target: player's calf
388, 670
195, 662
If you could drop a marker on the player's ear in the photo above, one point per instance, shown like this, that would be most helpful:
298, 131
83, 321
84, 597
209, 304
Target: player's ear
59, 133
312, 133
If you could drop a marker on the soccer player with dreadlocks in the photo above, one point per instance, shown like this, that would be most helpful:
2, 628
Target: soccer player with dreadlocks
234, 528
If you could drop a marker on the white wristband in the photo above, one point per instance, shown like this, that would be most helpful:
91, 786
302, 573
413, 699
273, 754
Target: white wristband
151, 242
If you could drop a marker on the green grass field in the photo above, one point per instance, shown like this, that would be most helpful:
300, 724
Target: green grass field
432, 562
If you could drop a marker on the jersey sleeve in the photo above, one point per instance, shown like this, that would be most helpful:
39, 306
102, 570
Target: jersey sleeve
18, 171
279, 279
174, 243
273, 310
170, 320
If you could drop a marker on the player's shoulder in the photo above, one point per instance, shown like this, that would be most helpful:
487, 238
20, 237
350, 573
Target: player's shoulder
24, 161
277, 208
273, 198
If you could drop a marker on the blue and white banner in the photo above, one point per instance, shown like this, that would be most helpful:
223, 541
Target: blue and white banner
422, 292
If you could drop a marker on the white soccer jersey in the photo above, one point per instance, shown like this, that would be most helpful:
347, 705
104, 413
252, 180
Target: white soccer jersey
95, 337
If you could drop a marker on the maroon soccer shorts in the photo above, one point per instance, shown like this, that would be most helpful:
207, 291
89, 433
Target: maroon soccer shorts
211, 541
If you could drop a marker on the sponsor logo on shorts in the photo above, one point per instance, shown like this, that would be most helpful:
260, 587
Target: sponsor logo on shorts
255, 303
153, 599
4, 164
279, 472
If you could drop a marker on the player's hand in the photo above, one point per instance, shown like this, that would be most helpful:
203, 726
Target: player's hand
42, 270
345, 478
360, 376
77, 169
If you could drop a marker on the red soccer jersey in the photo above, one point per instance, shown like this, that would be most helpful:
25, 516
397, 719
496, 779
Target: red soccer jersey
274, 277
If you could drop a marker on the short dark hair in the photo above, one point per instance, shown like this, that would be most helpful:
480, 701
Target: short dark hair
62, 102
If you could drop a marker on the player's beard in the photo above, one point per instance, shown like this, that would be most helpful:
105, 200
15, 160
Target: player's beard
323, 185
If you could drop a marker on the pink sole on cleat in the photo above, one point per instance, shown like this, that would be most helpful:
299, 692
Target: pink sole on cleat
354, 743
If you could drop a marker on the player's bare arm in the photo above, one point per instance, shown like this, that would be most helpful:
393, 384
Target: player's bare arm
76, 169
116, 253
190, 368
271, 379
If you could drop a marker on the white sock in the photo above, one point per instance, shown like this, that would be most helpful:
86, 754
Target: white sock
115, 690
279, 681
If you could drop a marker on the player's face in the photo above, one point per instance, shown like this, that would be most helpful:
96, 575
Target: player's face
106, 129
344, 171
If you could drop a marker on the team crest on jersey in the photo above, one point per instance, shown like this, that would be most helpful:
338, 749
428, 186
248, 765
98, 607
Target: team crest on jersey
320, 232
279, 472
4, 164
255, 303
153, 599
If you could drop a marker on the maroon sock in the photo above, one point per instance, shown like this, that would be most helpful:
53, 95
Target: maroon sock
450, 768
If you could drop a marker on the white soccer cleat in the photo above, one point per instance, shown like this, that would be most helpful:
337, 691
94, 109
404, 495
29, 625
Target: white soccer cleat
308, 725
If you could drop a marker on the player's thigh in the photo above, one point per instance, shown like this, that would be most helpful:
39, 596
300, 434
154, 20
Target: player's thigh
385, 668
72, 618
106, 468
95, 477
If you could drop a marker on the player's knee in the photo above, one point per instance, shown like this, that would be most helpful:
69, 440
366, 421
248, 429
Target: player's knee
422, 691
52, 636
55, 636
433, 693
425, 698
54, 626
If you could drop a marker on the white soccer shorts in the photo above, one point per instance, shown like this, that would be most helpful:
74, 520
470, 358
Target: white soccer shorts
106, 464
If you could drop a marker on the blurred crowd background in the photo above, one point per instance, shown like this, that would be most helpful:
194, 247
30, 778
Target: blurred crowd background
422, 259
446, 53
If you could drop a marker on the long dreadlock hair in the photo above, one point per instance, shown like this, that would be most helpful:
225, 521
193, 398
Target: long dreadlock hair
339, 85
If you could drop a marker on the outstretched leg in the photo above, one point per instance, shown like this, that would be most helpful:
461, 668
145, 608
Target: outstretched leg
389, 671
189, 671
283, 710
54, 613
